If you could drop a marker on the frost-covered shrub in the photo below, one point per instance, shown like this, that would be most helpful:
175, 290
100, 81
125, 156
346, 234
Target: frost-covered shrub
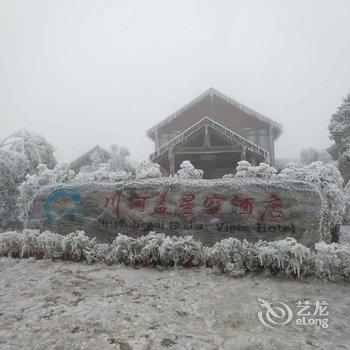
50, 245
237, 257
291, 171
156, 249
246, 170
75, 244
182, 251
285, 257
233, 256
10, 244
96, 253
124, 250
147, 170
31, 243
331, 260
243, 169
188, 171
103, 173
20, 154
329, 181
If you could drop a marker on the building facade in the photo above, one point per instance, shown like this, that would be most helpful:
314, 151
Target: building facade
214, 132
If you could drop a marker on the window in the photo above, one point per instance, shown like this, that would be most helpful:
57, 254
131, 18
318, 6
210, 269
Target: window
259, 137
166, 137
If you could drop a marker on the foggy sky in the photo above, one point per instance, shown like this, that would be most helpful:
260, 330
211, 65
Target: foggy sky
102, 72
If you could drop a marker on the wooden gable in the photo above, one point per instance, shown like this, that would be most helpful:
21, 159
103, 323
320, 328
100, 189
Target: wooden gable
221, 109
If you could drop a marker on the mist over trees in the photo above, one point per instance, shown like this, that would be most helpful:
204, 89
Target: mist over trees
310, 155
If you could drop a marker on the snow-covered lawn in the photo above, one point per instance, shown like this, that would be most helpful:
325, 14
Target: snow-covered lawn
66, 305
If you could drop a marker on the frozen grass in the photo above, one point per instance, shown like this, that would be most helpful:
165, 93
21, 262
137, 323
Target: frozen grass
286, 258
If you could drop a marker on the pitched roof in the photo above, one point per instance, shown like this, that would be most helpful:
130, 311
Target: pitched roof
211, 91
84, 159
222, 130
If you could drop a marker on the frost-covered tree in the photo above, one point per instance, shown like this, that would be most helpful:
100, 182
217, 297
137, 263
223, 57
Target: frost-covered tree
96, 159
147, 169
339, 129
20, 154
119, 159
188, 171
347, 204
310, 155
326, 158
33, 147
12, 173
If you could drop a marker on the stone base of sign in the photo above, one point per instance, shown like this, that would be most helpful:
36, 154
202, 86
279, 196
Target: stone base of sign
209, 210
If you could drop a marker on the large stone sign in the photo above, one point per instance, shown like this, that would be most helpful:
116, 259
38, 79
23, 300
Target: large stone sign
210, 210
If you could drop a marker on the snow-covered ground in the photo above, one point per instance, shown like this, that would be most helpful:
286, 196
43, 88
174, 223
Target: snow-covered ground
66, 305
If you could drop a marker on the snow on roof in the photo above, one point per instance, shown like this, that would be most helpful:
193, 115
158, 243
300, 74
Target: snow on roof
211, 91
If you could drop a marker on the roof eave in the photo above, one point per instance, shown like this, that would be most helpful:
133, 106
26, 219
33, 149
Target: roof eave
278, 132
277, 126
151, 134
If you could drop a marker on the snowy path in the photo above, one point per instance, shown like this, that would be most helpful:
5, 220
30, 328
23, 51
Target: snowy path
60, 305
